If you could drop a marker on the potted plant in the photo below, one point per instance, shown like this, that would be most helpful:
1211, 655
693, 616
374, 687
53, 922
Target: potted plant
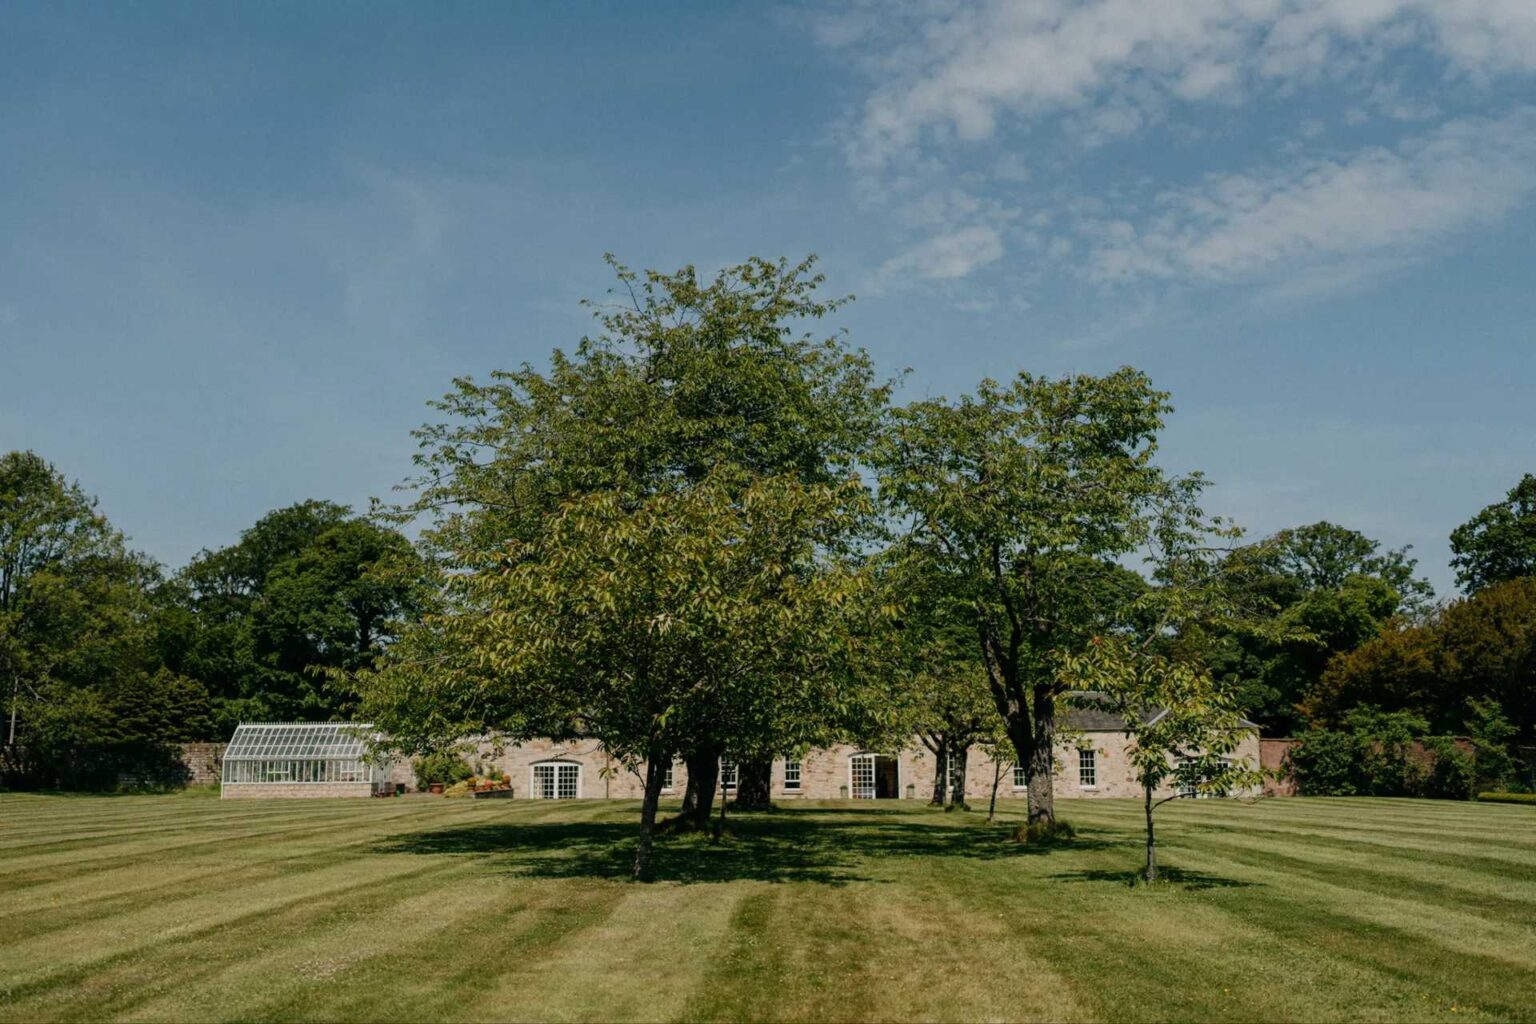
437, 771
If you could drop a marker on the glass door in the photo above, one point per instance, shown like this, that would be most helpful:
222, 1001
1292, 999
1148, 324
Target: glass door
862, 767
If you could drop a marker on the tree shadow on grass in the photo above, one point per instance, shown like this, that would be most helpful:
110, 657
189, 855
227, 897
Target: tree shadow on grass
1181, 877
796, 846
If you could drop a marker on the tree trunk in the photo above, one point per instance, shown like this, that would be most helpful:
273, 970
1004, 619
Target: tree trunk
1151, 838
1021, 738
940, 772
703, 778
997, 779
1041, 763
653, 774
754, 782
15, 706
960, 757
720, 821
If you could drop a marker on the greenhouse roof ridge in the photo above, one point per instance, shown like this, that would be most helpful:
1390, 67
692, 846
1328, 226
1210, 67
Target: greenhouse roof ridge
316, 725
300, 740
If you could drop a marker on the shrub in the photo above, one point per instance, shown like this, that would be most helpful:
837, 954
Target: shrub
1385, 743
443, 766
1492, 736
1507, 798
1453, 774
1327, 763
1043, 833
1387, 754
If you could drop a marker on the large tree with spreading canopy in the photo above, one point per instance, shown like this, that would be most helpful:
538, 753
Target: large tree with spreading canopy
654, 541
1024, 495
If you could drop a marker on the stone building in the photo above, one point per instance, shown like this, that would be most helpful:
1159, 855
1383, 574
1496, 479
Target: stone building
318, 760
1091, 761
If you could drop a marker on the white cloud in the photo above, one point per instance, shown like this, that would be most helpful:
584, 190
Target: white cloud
956, 71
965, 96
1374, 203
948, 256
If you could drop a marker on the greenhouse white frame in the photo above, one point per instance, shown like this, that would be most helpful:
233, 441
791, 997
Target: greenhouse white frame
301, 754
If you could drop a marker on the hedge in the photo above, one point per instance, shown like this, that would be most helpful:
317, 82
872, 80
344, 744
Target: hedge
1507, 798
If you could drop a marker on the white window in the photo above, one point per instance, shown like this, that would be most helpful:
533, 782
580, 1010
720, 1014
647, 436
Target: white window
792, 776
1019, 781
556, 780
1087, 769
668, 776
1187, 788
728, 776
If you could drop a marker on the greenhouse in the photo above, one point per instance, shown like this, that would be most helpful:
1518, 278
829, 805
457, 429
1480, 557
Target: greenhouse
300, 759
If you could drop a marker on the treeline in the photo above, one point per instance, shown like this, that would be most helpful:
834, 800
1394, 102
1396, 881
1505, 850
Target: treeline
109, 662
706, 530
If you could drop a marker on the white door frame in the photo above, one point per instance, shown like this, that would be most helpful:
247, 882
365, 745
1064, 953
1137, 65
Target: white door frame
874, 783
533, 787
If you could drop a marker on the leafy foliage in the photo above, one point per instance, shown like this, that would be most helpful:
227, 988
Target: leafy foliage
1478, 649
307, 589
1385, 753
1507, 798
1309, 593
87, 701
655, 542
1499, 543
1182, 724
1022, 496
443, 766
1327, 762
938, 687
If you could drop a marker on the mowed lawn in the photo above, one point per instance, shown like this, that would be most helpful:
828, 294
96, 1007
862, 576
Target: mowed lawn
190, 908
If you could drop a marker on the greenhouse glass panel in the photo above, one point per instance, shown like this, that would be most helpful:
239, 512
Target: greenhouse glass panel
299, 753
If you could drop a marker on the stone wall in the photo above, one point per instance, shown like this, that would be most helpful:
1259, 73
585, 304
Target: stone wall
204, 762
1272, 755
294, 790
826, 774
1112, 775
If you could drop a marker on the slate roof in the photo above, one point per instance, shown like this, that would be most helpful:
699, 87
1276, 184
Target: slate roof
1090, 711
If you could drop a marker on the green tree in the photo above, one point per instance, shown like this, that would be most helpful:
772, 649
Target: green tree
339, 600
1480, 648
1385, 753
86, 697
711, 610
699, 408
1499, 543
1309, 594
934, 672
1019, 493
1493, 737
307, 589
1188, 744
50, 533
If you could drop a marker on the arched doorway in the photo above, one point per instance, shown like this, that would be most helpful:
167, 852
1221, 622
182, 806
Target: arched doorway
874, 777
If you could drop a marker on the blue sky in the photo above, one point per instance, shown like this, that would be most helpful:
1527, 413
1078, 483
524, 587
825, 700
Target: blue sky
241, 247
